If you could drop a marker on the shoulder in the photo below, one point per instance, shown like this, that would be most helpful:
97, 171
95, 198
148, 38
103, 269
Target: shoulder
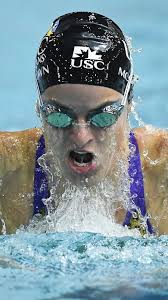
20, 136
17, 158
18, 148
153, 146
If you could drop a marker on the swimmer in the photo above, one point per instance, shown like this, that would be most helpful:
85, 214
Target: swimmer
85, 78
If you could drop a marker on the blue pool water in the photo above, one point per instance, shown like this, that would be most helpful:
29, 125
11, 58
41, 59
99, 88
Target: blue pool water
83, 266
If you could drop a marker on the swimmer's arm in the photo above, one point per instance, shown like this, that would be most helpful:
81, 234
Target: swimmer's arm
8, 177
153, 144
17, 149
8, 159
17, 155
160, 174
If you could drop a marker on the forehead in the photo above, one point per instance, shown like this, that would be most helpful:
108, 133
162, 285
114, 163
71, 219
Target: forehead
79, 95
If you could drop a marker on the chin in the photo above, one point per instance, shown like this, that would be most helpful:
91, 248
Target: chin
83, 180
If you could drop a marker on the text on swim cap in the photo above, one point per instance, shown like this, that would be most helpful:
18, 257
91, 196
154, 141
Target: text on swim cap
85, 57
42, 71
124, 74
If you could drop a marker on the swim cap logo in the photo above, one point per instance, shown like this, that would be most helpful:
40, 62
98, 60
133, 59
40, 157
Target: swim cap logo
84, 57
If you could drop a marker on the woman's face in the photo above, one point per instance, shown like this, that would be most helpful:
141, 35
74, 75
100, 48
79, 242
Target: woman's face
82, 152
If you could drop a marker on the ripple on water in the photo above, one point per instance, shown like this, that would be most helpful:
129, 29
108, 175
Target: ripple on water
83, 266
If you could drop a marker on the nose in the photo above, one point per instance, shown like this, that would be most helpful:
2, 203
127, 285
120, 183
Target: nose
81, 133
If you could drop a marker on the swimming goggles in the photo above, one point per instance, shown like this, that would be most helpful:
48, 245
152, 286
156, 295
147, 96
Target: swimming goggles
61, 117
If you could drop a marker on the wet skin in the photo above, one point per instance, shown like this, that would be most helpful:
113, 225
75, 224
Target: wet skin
17, 153
105, 144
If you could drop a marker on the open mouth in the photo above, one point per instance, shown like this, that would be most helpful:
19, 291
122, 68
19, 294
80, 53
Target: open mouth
81, 158
81, 161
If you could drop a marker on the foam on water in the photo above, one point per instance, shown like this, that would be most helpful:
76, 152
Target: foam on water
83, 266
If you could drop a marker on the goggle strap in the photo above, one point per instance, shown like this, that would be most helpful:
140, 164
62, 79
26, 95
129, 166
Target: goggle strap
127, 89
39, 95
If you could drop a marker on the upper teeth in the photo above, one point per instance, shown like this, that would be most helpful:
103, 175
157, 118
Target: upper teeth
80, 152
81, 164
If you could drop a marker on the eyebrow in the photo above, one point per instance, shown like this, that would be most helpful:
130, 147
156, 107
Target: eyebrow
57, 104
105, 104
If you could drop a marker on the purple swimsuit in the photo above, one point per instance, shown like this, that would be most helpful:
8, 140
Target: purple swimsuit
137, 197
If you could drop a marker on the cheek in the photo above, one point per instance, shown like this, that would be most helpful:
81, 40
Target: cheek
122, 130
106, 141
114, 137
53, 137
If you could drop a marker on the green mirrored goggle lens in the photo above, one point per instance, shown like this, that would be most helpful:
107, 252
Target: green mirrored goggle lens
59, 120
101, 119
104, 119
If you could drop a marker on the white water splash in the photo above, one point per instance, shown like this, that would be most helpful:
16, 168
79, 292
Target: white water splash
85, 210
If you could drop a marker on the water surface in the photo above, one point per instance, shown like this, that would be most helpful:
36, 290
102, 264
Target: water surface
83, 266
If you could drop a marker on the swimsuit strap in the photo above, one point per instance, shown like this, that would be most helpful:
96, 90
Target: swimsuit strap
137, 198
41, 190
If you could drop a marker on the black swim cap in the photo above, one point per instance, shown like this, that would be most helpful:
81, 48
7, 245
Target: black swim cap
84, 48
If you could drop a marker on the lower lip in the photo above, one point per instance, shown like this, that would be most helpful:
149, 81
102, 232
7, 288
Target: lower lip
81, 169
